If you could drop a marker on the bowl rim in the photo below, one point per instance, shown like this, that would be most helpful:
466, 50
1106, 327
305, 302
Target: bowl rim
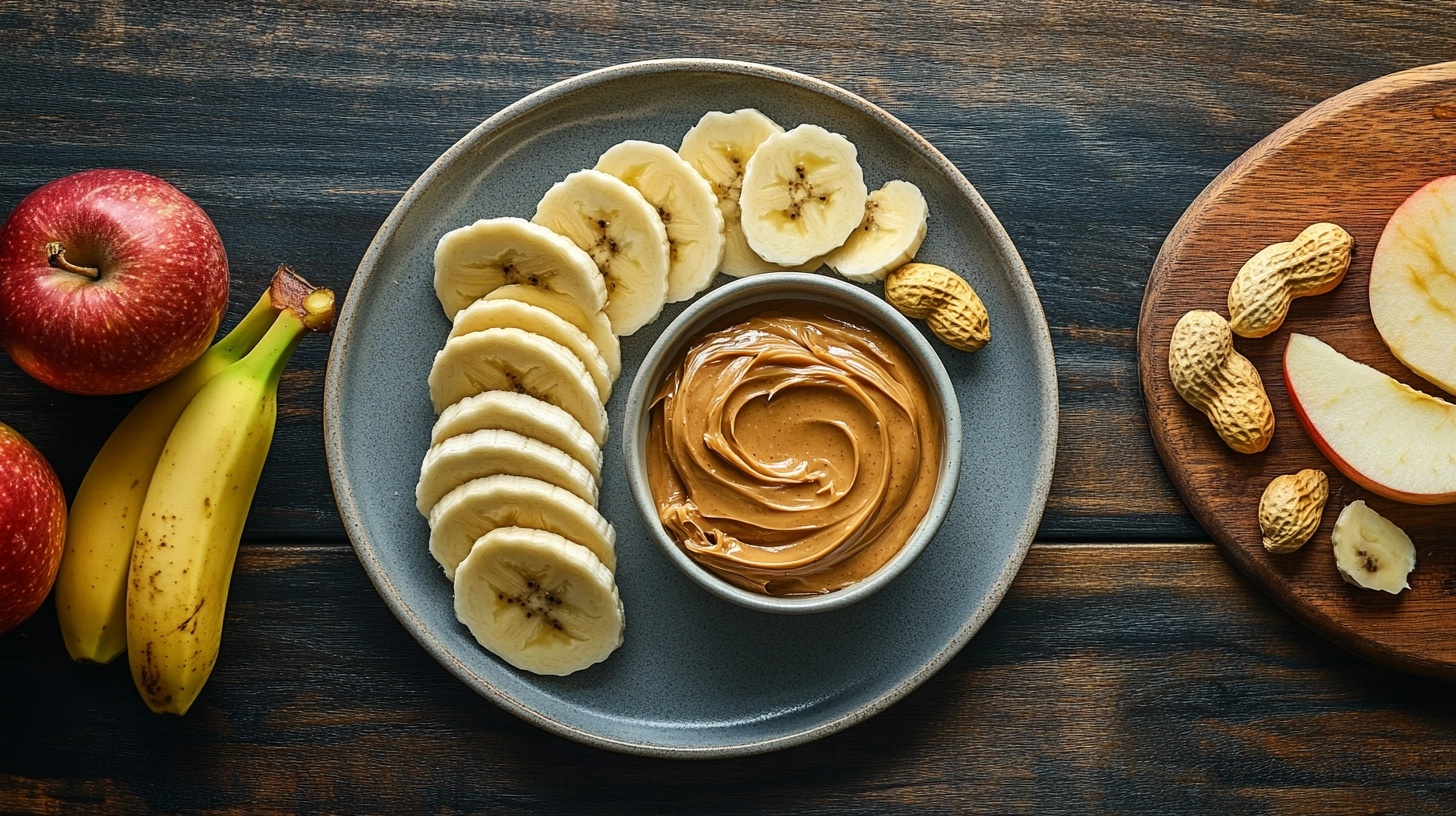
779, 287
366, 547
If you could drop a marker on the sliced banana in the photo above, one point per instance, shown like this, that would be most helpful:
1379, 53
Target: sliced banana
490, 453
887, 237
502, 313
517, 360
473, 260
595, 325
719, 147
538, 601
481, 505
1370, 551
623, 235
525, 415
686, 204
803, 194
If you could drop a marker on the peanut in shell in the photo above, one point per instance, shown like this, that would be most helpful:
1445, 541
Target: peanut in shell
944, 300
1290, 509
1312, 264
1214, 378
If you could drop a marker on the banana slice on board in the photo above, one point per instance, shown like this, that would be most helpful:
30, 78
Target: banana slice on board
517, 360
1370, 551
525, 415
686, 204
538, 601
595, 325
481, 505
493, 452
473, 260
803, 194
719, 147
887, 237
623, 235
504, 313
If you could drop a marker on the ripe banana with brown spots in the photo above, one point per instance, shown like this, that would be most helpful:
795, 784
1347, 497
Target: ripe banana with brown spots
191, 522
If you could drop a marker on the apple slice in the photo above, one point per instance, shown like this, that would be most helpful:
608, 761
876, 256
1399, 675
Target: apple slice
1413, 283
1390, 438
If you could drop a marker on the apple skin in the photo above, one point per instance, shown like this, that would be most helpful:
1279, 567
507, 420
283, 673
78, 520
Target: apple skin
1356, 476
32, 528
160, 295
1342, 464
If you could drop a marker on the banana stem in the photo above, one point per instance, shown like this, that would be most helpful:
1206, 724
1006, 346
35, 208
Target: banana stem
268, 359
253, 326
300, 309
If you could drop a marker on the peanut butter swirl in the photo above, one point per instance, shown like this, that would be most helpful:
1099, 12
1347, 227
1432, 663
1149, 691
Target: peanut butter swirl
794, 450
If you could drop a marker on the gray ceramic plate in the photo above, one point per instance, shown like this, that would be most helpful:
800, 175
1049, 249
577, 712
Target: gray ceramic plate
697, 676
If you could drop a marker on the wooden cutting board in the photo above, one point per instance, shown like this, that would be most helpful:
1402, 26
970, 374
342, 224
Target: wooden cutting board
1352, 160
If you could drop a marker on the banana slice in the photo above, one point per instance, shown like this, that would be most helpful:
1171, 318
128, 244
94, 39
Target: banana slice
623, 235
887, 237
517, 360
686, 204
473, 260
803, 194
490, 453
481, 505
538, 601
1370, 551
525, 415
719, 147
503, 313
595, 325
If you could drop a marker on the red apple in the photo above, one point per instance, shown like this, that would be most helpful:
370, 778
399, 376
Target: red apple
32, 528
1413, 283
1390, 438
110, 281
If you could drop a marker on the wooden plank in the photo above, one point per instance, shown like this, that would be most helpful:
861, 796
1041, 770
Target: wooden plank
1113, 678
1087, 126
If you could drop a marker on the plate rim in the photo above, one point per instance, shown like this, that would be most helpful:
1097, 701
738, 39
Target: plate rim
1020, 283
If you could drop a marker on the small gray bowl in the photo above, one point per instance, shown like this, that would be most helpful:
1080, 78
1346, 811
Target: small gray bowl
780, 287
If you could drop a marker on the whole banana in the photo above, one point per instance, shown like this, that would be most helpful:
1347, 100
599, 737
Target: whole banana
192, 519
91, 585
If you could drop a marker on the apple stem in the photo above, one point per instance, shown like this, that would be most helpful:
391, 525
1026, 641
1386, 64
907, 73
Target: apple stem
56, 254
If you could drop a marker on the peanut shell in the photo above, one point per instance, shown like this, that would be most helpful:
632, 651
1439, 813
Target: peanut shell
1290, 509
1214, 378
949, 306
1312, 264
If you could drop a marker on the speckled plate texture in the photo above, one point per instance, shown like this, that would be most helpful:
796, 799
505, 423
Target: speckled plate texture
697, 676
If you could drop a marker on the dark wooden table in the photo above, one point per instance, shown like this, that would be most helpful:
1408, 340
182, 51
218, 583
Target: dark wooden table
1130, 668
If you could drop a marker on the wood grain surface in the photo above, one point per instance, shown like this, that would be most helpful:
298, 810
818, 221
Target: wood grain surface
1077, 697
1119, 676
1351, 160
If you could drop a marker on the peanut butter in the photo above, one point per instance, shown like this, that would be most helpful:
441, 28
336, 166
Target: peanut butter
794, 449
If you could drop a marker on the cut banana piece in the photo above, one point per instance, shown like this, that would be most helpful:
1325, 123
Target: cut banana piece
517, 360
481, 505
1370, 551
595, 325
686, 204
503, 313
538, 601
494, 452
623, 235
473, 260
719, 147
803, 194
887, 237
525, 415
